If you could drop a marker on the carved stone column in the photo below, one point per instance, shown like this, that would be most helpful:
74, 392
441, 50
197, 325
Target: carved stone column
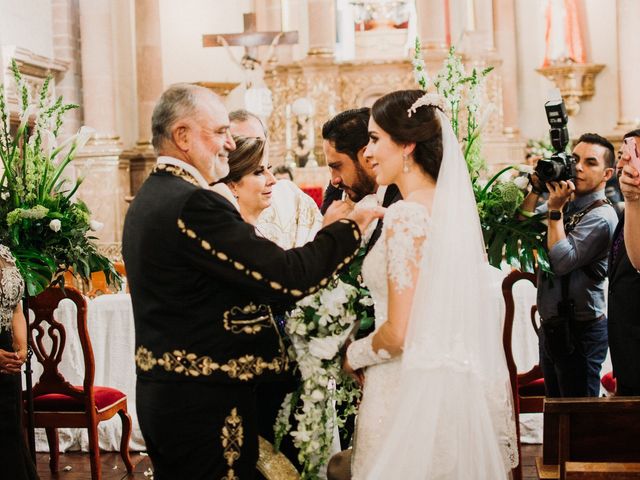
433, 24
150, 85
66, 46
505, 40
484, 22
322, 27
99, 162
628, 12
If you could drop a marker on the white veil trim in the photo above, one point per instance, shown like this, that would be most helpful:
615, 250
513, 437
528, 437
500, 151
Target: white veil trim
453, 417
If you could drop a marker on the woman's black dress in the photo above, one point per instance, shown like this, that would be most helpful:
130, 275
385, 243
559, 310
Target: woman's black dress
15, 462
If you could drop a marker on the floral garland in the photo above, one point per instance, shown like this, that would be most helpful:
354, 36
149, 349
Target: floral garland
318, 328
509, 232
46, 229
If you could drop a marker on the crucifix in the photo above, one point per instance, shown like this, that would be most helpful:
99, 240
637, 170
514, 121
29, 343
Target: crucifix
251, 39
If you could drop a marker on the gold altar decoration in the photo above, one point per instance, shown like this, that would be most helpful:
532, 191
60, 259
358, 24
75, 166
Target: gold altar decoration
336, 86
576, 82
220, 88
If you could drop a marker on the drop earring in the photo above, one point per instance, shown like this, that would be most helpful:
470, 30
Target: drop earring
405, 166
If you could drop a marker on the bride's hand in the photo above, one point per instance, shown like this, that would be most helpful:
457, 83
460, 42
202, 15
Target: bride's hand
358, 375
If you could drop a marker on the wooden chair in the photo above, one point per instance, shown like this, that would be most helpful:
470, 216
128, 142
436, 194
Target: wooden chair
528, 387
57, 403
588, 436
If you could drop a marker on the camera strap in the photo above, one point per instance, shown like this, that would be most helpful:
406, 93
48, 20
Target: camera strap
573, 220
570, 225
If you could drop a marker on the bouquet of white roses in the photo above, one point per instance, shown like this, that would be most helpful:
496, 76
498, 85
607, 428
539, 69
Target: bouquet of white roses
318, 328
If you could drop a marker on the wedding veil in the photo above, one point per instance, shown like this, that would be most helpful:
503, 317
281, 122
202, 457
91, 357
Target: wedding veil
453, 418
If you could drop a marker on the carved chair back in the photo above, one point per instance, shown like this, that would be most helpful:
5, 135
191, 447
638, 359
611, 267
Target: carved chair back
43, 325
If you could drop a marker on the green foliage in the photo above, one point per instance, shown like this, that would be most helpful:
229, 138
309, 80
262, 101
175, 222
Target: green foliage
508, 232
47, 230
364, 306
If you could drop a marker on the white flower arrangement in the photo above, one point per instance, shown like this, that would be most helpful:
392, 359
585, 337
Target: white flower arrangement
501, 197
318, 327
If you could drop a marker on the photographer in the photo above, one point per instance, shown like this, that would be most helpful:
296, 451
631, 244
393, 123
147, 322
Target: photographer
624, 277
571, 302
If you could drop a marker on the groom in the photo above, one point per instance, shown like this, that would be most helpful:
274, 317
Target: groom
345, 138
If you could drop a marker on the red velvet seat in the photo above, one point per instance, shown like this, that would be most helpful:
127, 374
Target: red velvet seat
609, 383
528, 388
532, 389
57, 403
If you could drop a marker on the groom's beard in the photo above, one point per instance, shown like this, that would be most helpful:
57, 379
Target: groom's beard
363, 185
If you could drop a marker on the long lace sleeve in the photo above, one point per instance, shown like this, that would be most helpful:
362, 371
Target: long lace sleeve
405, 232
404, 235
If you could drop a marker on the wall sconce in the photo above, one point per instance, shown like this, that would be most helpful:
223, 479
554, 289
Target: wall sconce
576, 82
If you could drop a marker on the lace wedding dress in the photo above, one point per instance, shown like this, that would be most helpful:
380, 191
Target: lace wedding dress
389, 257
443, 409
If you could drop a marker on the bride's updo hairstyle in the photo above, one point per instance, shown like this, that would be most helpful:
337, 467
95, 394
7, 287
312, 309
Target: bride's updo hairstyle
422, 127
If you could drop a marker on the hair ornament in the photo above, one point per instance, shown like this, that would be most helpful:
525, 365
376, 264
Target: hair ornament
427, 100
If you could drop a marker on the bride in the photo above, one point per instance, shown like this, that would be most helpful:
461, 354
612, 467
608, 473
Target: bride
436, 402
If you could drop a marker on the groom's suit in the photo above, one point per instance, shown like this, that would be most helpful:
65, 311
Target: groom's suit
391, 196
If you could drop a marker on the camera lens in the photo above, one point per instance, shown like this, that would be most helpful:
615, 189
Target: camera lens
549, 170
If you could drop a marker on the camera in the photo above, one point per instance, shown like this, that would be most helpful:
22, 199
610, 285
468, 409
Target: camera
561, 165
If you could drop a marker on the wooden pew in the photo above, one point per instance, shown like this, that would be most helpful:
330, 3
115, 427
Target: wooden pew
594, 431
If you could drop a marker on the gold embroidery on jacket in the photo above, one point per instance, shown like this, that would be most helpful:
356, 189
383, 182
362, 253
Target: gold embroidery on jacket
205, 245
176, 172
191, 365
232, 439
144, 359
238, 319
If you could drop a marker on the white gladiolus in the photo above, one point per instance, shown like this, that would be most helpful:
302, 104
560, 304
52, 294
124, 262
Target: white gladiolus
55, 225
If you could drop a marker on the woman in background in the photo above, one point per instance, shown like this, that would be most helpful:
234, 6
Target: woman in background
15, 462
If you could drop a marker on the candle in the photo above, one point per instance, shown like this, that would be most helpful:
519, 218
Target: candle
312, 136
287, 127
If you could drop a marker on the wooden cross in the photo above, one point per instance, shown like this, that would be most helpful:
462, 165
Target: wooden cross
250, 39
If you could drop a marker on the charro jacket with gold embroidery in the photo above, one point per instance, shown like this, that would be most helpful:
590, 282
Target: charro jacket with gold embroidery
202, 282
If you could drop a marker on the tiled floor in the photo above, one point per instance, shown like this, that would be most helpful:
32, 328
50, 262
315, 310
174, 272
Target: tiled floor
113, 468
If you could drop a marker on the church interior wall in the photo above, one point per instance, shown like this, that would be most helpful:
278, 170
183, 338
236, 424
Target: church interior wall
124, 62
599, 114
183, 24
27, 23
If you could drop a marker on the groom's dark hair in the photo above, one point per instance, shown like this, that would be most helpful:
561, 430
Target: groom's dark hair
422, 127
348, 131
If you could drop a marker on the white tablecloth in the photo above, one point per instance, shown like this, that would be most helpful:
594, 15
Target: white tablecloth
111, 329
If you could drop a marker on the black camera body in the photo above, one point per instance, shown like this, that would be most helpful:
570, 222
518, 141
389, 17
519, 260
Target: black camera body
561, 165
